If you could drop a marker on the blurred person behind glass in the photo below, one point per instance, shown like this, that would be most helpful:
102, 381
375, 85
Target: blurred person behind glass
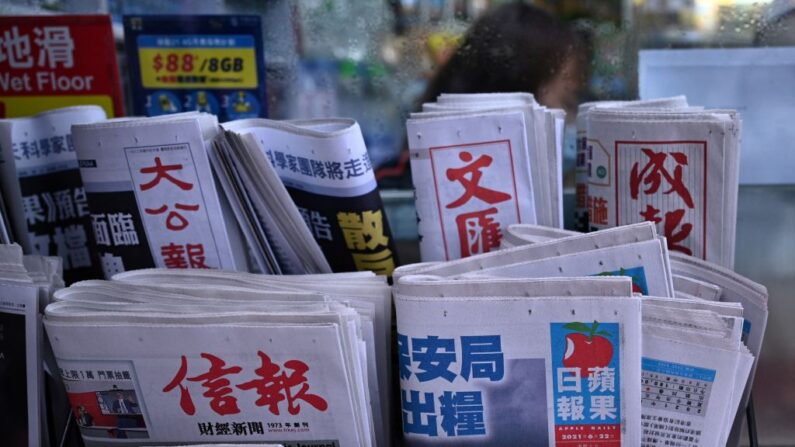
513, 47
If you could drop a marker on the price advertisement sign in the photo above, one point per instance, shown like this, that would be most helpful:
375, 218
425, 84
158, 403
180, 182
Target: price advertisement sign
208, 63
47, 62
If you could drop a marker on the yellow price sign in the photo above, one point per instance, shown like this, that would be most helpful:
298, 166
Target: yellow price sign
232, 68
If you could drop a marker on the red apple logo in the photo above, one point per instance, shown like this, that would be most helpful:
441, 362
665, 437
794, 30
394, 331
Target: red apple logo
587, 347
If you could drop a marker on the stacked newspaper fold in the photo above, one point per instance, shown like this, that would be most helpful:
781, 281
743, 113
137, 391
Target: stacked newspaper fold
733, 288
677, 167
705, 340
481, 162
270, 221
525, 234
152, 195
26, 284
297, 185
585, 145
362, 288
176, 356
694, 368
632, 250
43, 202
507, 361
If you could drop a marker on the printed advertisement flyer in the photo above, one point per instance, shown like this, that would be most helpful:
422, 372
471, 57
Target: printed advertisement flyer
207, 63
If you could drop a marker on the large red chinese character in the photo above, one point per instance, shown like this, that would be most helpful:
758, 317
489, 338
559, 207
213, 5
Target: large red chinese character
174, 256
478, 232
161, 172
651, 214
275, 387
196, 256
174, 221
654, 171
471, 184
185, 401
218, 389
672, 220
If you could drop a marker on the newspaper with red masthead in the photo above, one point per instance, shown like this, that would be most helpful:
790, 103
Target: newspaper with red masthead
152, 195
585, 146
677, 168
172, 364
480, 163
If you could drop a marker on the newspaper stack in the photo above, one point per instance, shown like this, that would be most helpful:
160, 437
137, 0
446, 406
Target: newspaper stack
481, 162
733, 288
282, 174
677, 168
152, 196
693, 341
585, 145
180, 356
26, 283
633, 250
694, 368
43, 202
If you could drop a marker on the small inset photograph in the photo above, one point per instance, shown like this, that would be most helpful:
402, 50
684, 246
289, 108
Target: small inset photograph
105, 402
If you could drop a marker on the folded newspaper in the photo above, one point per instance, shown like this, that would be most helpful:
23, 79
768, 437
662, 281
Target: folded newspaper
693, 371
152, 196
698, 353
324, 167
43, 199
26, 283
675, 167
519, 361
479, 163
734, 289
196, 356
584, 145
633, 250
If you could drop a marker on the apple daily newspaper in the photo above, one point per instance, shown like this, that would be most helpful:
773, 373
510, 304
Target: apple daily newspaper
560, 356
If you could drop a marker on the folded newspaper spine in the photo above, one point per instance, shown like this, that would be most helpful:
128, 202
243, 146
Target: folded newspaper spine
26, 283
525, 234
676, 167
479, 163
45, 208
297, 185
181, 356
504, 362
152, 196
